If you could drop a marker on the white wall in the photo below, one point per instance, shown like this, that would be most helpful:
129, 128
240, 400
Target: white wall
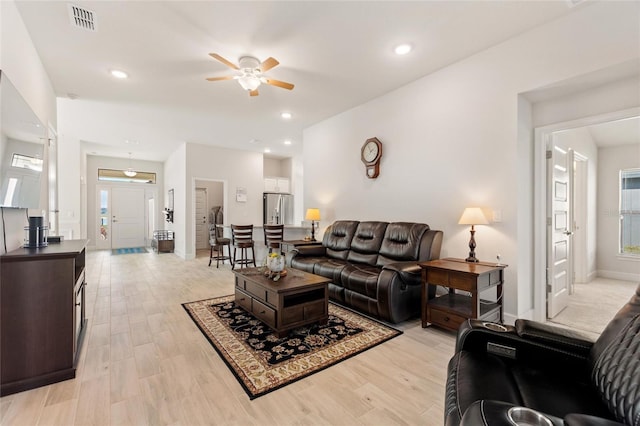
237, 169
175, 171
450, 140
611, 161
21, 63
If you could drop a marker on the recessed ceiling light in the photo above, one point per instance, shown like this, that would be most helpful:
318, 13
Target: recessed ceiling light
119, 74
402, 49
267, 150
286, 115
287, 142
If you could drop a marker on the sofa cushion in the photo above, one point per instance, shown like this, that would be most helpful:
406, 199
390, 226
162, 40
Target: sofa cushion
361, 278
366, 242
330, 268
337, 238
401, 242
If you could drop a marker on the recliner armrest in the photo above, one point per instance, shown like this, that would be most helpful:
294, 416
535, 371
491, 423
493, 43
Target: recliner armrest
575, 419
556, 336
410, 272
495, 413
504, 340
310, 250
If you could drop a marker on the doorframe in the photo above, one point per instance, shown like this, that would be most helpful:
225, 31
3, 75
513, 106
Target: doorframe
225, 204
579, 206
542, 135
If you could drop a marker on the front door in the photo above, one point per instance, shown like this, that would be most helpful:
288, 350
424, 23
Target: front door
559, 227
202, 230
128, 205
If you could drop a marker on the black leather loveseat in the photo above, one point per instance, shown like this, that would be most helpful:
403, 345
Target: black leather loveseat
373, 265
570, 379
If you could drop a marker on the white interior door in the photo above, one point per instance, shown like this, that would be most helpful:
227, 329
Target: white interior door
202, 229
559, 228
128, 224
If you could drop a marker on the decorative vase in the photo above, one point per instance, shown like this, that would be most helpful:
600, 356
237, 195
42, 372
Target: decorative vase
275, 263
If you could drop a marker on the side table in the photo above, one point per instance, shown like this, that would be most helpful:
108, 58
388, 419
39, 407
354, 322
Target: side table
452, 309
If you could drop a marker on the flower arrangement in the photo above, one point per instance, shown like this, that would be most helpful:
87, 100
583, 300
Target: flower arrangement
274, 263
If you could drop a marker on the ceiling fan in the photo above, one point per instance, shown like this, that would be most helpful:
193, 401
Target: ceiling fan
250, 74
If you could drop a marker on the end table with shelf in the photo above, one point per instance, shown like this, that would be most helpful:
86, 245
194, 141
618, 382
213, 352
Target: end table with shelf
452, 309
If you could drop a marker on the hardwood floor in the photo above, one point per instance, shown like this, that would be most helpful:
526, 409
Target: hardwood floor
144, 362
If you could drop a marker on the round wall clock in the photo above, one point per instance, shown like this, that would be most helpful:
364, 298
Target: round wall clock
370, 155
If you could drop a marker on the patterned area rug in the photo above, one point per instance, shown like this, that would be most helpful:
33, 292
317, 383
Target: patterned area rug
129, 250
262, 362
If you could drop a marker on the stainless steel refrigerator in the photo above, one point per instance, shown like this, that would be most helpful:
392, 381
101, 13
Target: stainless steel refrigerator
277, 208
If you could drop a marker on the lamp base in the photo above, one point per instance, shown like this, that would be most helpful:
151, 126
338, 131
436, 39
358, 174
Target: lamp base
313, 233
471, 259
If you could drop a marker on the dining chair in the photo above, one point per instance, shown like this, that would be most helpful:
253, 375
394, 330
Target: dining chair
273, 236
242, 238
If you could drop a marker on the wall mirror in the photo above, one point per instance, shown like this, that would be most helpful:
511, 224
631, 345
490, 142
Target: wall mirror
22, 137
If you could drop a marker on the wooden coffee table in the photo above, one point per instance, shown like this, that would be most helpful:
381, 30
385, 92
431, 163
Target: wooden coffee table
297, 299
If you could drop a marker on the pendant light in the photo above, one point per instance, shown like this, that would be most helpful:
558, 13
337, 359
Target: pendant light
130, 172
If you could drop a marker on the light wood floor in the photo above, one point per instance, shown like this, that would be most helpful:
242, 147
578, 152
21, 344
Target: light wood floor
145, 362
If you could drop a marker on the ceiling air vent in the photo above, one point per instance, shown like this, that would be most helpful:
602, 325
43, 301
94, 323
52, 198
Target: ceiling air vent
82, 18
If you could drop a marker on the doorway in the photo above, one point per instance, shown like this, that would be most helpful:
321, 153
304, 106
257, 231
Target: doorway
201, 213
207, 194
583, 209
125, 217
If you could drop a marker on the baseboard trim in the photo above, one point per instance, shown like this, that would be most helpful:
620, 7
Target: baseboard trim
616, 275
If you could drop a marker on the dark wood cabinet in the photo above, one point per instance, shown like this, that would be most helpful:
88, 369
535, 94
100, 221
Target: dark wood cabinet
453, 308
42, 314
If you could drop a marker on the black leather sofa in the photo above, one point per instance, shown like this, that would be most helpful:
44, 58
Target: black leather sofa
373, 266
570, 379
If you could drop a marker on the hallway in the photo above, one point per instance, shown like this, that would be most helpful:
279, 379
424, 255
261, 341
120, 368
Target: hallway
592, 305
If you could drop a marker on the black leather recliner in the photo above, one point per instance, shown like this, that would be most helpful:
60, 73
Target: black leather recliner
554, 371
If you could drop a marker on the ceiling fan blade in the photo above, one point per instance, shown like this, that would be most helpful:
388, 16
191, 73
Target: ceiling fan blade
279, 83
224, 61
268, 64
253, 92
226, 77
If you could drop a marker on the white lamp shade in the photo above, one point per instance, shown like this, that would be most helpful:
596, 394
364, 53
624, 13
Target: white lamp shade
473, 216
312, 214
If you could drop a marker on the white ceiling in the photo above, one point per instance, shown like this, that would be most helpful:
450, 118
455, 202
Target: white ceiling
338, 55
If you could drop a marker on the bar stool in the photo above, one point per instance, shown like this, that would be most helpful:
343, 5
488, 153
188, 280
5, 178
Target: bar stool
218, 243
273, 236
242, 238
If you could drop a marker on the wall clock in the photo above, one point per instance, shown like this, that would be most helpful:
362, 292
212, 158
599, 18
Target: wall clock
370, 155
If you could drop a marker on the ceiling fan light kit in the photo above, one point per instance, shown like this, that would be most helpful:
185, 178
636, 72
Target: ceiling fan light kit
250, 75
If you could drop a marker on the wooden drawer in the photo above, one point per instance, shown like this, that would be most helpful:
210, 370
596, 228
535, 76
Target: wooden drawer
264, 313
292, 315
314, 310
445, 319
303, 312
243, 299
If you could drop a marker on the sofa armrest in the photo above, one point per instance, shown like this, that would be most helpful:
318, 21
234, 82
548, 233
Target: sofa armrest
556, 336
409, 267
504, 341
409, 272
310, 250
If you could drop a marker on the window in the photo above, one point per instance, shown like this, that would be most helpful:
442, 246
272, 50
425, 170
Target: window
119, 176
26, 162
630, 212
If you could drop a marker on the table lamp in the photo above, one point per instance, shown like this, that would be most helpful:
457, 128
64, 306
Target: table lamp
472, 216
313, 215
